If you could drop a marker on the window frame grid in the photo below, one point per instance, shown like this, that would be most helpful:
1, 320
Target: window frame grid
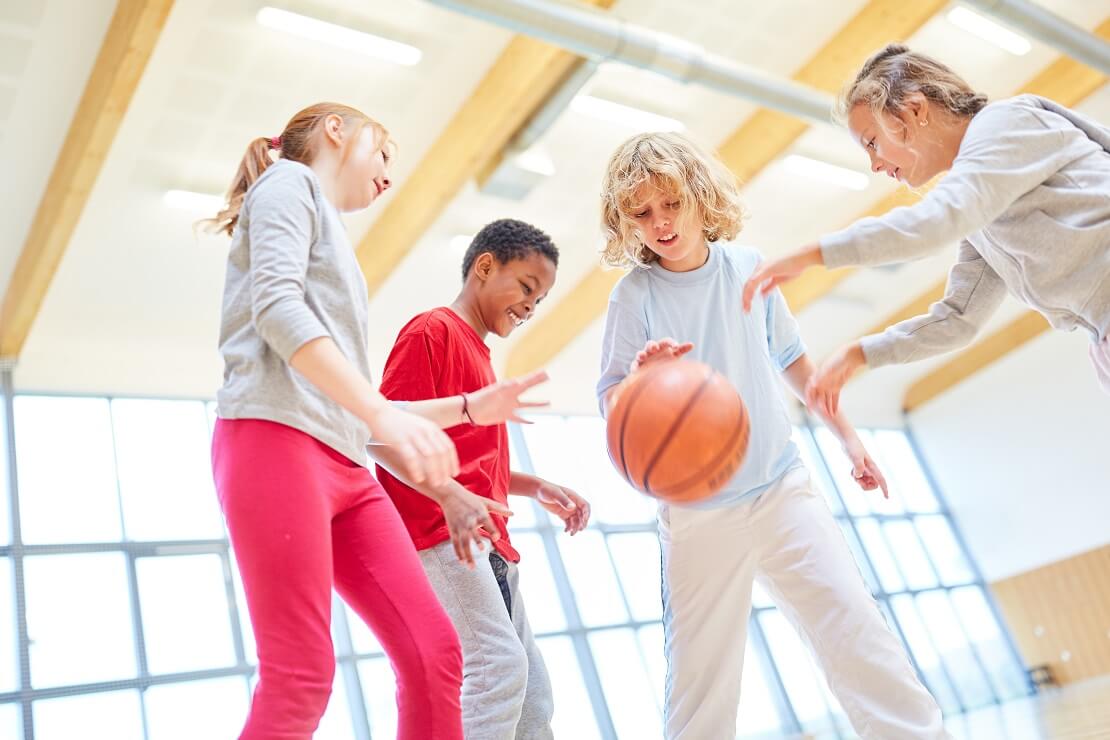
576, 630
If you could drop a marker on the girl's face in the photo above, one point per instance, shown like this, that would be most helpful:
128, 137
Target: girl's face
363, 175
671, 230
509, 292
909, 147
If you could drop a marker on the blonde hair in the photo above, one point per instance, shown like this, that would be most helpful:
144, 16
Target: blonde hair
894, 72
298, 143
677, 166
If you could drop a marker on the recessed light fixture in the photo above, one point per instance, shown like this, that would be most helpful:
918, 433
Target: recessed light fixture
990, 31
339, 36
186, 200
623, 115
535, 160
832, 174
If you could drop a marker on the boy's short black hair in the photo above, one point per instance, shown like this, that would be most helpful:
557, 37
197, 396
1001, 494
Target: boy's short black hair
508, 239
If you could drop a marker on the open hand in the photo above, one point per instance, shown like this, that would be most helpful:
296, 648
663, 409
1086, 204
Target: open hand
565, 504
467, 514
500, 402
824, 386
769, 275
426, 452
656, 350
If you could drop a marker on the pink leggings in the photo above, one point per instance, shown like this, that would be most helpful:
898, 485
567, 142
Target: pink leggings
301, 516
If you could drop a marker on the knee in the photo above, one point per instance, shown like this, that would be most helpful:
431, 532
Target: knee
446, 653
512, 671
435, 656
500, 671
305, 688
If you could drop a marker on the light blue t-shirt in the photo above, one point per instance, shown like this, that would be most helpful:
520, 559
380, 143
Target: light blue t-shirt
704, 306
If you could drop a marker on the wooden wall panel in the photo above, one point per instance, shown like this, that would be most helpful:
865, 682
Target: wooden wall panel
1059, 614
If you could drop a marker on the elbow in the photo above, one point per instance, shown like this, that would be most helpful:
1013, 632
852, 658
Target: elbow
963, 332
603, 405
954, 334
285, 325
606, 399
264, 319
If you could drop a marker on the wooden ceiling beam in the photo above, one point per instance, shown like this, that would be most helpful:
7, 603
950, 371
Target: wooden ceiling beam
131, 37
522, 78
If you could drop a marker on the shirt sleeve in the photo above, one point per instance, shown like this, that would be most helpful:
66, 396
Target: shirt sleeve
625, 335
973, 293
281, 228
410, 372
784, 341
1012, 150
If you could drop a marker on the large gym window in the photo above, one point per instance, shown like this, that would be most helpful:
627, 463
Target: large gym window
121, 607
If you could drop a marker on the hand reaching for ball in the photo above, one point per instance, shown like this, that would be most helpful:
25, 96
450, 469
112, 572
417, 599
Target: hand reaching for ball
661, 349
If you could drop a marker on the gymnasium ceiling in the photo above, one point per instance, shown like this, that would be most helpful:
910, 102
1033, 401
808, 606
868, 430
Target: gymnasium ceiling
132, 305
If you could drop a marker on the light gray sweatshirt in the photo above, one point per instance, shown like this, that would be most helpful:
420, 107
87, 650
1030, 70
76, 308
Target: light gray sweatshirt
292, 276
1028, 197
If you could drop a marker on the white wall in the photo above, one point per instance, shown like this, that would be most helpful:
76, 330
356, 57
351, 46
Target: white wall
1021, 451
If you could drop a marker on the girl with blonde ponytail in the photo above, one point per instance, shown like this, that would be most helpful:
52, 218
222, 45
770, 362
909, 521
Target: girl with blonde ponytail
296, 411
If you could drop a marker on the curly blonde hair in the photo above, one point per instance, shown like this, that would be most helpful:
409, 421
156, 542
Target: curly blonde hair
678, 167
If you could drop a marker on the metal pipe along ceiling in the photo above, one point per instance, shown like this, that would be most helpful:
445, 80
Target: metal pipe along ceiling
605, 37
1053, 30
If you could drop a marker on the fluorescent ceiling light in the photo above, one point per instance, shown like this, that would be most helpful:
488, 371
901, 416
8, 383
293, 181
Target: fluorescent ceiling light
623, 115
460, 243
339, 36
535, 160
825, 172
988, 30
186, 200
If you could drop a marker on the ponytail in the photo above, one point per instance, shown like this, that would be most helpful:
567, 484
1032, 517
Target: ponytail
254, 163
298, 143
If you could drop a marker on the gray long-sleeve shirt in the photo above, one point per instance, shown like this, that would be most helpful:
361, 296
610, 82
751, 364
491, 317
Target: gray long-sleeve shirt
292, 276
1028, 197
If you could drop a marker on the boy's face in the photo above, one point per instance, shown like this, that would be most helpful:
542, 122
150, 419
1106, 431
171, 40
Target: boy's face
508, 292
669, 229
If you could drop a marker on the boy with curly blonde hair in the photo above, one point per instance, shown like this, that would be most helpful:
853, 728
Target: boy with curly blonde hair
671, 213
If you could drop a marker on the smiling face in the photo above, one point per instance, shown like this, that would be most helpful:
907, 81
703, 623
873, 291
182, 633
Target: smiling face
508, 292
363, 175
911, 147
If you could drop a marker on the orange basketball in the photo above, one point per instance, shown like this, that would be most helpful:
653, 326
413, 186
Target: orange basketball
678, 430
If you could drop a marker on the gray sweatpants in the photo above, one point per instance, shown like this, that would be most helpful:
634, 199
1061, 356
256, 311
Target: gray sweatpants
506, 692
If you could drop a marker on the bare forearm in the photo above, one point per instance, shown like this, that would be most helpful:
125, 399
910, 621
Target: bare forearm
797, 376
321, 362
841, 427
444, 412
388, 458
522, 484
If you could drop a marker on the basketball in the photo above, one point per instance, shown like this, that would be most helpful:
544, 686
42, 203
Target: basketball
678, 431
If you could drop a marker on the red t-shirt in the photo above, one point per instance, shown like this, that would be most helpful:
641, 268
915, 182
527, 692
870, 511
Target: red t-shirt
436, 355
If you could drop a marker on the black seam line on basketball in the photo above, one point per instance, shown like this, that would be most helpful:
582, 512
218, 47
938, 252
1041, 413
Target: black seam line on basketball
674, 427
712, 463
634, 393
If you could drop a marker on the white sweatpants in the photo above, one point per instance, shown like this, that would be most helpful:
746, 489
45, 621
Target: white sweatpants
790, 541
